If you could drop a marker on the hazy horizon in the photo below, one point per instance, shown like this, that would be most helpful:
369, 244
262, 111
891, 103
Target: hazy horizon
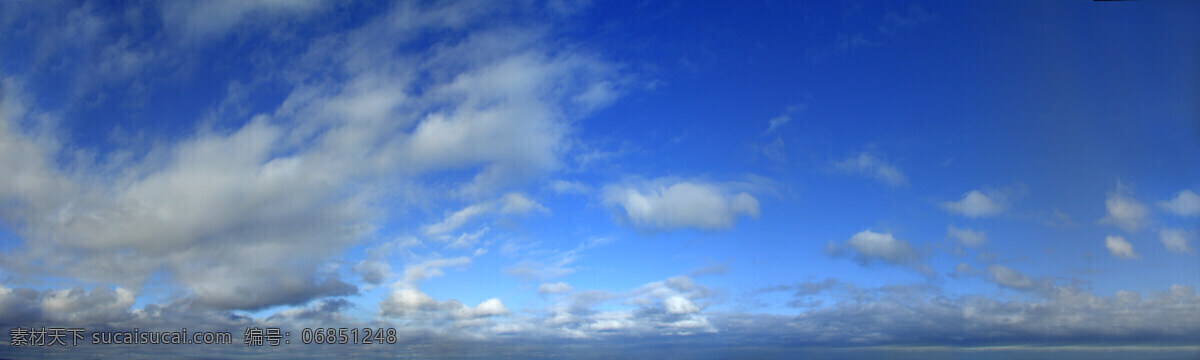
576, 179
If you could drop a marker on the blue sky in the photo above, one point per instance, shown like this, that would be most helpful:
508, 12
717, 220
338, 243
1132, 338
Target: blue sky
644, 178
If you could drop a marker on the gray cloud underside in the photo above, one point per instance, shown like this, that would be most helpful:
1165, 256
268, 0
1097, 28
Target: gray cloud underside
253, 212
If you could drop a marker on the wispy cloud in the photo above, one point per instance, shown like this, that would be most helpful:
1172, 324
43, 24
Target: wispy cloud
868, 165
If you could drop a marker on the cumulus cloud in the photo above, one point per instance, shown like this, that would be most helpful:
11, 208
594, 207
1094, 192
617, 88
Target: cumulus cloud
1181, 292
247, 212
679, 305
870, 166
966, 236
1119, 248
669, 205
672, 307
976, 204
407, 301
414, 304
1185, 203
1124, 211
22, 306
870, 246
1175, 240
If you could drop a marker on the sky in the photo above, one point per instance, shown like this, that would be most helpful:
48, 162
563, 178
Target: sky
635, 179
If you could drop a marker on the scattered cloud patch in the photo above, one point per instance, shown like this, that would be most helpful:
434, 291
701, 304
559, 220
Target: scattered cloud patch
1175, 240
372, 272
1124, 211
966, 236
1008, 277
554, 288
870, 166
569, 187
870, 246
1119, 248
977, 204
670, 205
1185, 203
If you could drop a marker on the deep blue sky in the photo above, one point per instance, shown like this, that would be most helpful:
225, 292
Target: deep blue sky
773, 179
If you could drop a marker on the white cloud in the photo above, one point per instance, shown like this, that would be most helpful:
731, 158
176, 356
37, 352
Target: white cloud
597, 95
1185, 203
489, 307
881, 246
569, 187
509, 204
515, 203
1124, 211
668, 205
1008, 277
1181, 291
1175, 240
966, 236
467, 240
1119, 247
975, 204
406, 301
870, 246
206, 193
413, 304
679, 305
248, 214
554, 288
1128, 297
870, 166
457, 219
430, 268
782, 119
